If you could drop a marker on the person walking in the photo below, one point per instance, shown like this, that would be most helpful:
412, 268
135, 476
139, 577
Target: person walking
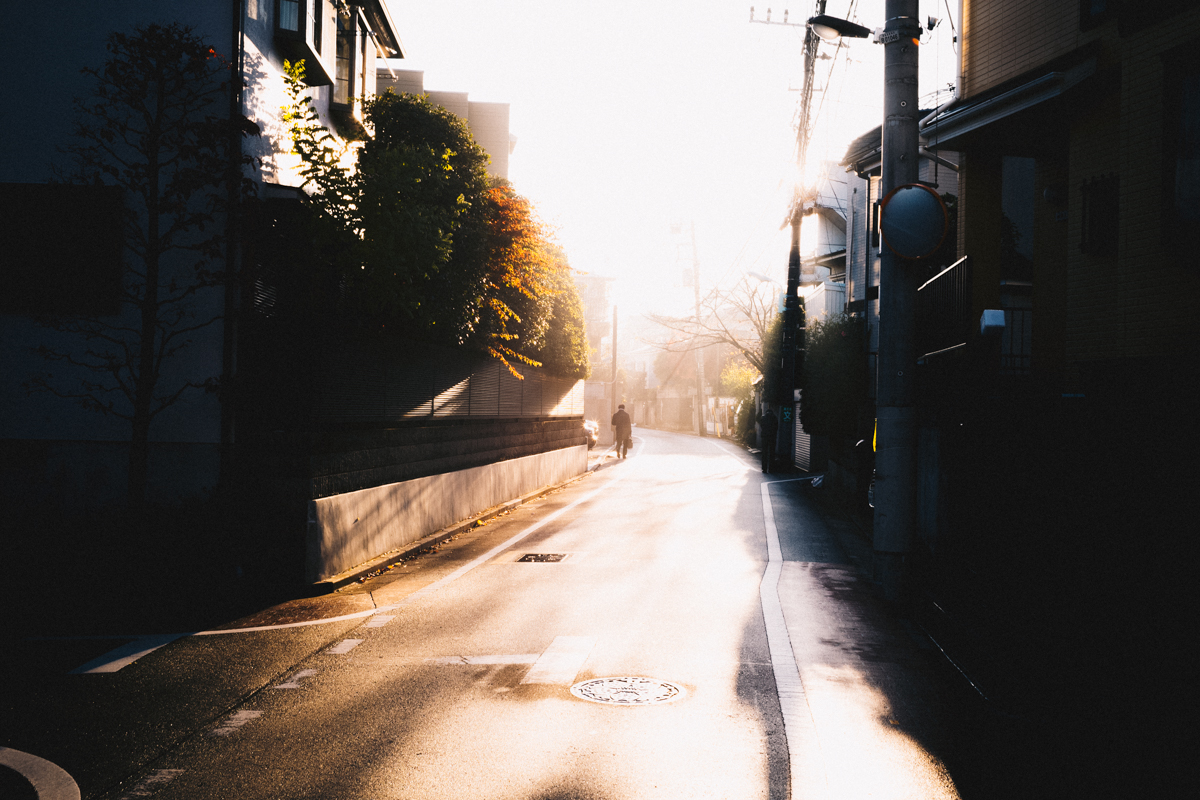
768, 430
622, 431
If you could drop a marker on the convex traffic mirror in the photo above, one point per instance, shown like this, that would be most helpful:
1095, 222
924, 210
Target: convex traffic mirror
913, 220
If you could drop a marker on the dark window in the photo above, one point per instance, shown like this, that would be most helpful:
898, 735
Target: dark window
1016, 206
61, 251
299, 37
301, 20
873, 199
289, 15
1181, 148
1094, 12
1101, 216
343, 90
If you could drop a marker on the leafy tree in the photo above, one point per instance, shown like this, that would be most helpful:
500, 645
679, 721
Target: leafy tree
737, 377
564, 349
157, 126
430, 246
392, 217
834, 380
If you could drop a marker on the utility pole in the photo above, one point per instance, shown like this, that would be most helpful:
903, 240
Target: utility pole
702, 404
895, 457
800, 196
616, 399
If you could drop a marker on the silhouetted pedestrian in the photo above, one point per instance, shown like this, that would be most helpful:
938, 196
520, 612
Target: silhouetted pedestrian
622, 431
768, 430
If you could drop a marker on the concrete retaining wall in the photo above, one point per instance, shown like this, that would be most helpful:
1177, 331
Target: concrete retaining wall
345, 530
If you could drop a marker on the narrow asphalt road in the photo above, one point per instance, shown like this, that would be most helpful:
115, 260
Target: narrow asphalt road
669, 627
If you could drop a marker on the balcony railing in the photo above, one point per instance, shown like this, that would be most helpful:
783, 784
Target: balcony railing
944, 310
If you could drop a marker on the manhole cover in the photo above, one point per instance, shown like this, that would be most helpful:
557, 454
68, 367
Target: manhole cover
529, 557
627, 691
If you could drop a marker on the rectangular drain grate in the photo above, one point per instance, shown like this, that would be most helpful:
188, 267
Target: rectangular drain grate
541, 557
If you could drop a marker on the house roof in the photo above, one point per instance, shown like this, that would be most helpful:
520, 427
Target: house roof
384, 29
953, 121
863, 154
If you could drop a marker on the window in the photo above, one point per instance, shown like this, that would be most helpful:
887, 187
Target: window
343, 89
1181, 148
873, 200
300, 35
1101, 216
1093, 13
289, 15
1016, 208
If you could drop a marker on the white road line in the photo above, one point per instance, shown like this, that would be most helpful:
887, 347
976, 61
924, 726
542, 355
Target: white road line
490, 554
294, 683
807, 766
148, 785
524, 658
126, 654
562, 660
235, 721
49, 780
379, 620
344, 646
728, 454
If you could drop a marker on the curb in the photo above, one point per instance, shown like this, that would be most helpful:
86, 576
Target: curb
364, 570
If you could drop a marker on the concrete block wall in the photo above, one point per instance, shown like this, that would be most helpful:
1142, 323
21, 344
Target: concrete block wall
348, 529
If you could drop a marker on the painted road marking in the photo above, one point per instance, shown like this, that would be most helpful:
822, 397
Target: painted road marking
498, 549
235, 721
49, 780
126, 654
148, 785
562, 660
807, 766
344, 646
526, 658
294, 683
379, 620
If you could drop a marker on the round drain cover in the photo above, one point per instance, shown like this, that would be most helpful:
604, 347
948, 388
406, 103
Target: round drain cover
627, 691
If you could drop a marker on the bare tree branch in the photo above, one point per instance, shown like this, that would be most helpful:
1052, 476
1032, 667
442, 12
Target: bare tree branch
738, 318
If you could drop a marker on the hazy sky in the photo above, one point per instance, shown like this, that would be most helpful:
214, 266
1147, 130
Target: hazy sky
636, 115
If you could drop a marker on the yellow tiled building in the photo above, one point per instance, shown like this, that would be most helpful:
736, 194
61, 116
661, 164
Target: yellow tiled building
1078, 125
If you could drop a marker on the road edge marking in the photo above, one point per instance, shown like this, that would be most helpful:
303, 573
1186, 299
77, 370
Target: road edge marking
807, 774
500, 548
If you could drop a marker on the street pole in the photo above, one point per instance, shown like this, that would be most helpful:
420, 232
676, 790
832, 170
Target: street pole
791, 325
615, 399
701, 427
895, 457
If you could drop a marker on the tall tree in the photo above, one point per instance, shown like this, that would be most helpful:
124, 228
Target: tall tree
156, 124
432, 247
741, 318
564, 348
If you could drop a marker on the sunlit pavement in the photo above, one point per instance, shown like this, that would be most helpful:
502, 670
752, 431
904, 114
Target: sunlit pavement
451, 675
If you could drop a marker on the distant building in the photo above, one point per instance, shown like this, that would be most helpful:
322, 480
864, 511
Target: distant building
488, 121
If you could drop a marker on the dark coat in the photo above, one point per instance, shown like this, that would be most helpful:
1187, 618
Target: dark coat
623, 425
769, 426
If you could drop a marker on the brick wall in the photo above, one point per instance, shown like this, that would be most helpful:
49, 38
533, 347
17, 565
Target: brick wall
1002, 40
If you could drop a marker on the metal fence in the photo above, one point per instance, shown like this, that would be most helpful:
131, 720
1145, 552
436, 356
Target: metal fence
361, 387
944, 309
